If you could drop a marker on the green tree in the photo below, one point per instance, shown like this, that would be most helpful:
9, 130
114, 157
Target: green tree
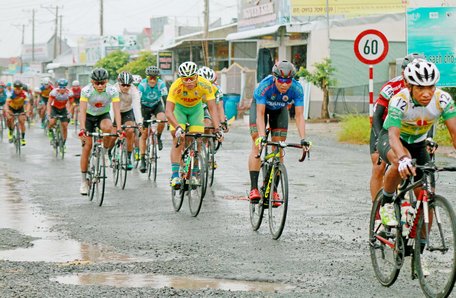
139, 65
113, 62
322, 78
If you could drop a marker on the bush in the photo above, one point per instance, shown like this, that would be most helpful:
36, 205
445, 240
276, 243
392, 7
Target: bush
355, 129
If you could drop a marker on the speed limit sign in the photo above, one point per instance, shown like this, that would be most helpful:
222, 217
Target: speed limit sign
371, 46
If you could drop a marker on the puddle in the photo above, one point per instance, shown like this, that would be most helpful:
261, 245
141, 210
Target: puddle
160, 281
18, 213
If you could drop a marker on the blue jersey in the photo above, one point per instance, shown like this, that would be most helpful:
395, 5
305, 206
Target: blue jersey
3, 97
267, 93
150, 97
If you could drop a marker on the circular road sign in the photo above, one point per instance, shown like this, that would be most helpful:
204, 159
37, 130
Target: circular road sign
371, 46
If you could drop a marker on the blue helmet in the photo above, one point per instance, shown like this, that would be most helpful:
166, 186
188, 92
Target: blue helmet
62, 83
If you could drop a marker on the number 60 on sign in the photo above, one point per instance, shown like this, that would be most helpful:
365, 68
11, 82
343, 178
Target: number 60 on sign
371, 46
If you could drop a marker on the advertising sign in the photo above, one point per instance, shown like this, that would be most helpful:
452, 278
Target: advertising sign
428, 33
344, 7
165, 62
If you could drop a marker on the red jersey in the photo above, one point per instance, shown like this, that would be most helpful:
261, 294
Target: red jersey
391, 88
76, 92
59, 100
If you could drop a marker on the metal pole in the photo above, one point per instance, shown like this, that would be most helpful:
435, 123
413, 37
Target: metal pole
55, 31
371, 93
60, 42
206, 33
327, 22
33, 34
101, 17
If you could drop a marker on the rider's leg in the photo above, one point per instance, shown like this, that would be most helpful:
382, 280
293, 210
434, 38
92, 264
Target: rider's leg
378, 170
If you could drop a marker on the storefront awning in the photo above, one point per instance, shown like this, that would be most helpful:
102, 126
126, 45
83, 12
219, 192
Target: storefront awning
253, 33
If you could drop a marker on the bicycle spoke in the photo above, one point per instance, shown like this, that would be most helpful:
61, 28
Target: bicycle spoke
278, 202
195, 185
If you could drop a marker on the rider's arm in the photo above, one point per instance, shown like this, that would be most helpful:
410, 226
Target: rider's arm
377, 119
136, 104
116, 109
6, 106
48, 107
169, 112
211, 105
261, 126
395, 142
82, 113
451, 125
300, 122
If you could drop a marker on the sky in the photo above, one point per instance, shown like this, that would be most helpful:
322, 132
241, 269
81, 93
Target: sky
80, 17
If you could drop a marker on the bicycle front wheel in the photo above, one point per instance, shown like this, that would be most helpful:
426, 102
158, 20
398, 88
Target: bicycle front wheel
153, 158
211, 163
257, 209
435, 249
177, 197
115, 164
385, 246
124, 165
61, 142
17, 140
278, 202
100, 178
196, 185
93, 166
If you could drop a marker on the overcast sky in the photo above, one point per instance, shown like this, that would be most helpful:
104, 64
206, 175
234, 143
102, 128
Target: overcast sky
82, 17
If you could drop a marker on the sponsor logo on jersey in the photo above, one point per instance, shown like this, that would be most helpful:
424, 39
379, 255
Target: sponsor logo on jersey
184, 93
285, 98
98, 104
421, 122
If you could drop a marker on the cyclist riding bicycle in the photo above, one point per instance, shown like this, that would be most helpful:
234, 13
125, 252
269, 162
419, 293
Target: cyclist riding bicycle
184, 105
137, 80
58, 105
76, 89
46, 88
270, 100
3, 94
130, 109
16, 103
94, 108
387, 91
411, 114
152, 90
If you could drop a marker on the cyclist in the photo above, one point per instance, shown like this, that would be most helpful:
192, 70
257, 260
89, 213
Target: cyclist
94, 108
387, 91
137, 80
17, 102
270, 100
411, 114
184, 106
3, 94
130, 109
46, 88
76, 89
59, 104
9, 88
152, 90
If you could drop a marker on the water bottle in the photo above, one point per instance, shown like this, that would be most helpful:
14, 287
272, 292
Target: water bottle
405, 207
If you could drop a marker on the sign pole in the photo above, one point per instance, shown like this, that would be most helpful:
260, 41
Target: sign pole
371, 92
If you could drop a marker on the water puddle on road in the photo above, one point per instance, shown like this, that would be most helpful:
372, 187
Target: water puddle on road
160, 281
17, 213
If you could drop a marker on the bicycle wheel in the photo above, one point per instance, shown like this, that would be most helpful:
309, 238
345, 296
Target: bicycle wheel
60, 138
205, 155
17, 140
211, 161
196, 185
76, 111
385, 249
93, 166
435, 249
56, 141
115, 164
101, 178
278, 202
2, 127
123, 164
153, 158
257, 210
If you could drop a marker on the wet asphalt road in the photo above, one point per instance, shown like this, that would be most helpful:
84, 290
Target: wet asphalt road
322, 252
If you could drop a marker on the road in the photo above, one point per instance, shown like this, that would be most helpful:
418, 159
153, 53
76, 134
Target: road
56, 243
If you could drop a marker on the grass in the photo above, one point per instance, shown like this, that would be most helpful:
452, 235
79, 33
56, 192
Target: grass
356, 130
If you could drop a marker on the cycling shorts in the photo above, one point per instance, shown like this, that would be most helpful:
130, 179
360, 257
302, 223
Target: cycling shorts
278, 120
148, 112
61, 112
125, 117
191, 115
92, 122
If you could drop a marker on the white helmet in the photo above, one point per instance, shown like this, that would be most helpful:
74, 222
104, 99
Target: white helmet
45, 81
137, 79
421, 72
207, 73
187, 69
75, 83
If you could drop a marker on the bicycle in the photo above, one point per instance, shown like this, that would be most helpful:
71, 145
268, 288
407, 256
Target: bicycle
192, 173
274, 189
151, 154
2, 123
426, 232
57, 141
210, 149
119, 161
17, 134
75, 117
96, 174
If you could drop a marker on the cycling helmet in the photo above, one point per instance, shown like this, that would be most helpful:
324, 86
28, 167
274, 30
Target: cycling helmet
25, 87
153, 71
45, 81
8, 84
409, 58
62, 83
137, 79
421, 72
17, 84
75, 83
207, 73
37, 90
99, 74
187, 69
125, 77
284, 69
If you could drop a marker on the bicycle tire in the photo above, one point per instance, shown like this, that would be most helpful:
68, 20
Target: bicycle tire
123, 164
115, 163
177, 197
204, 154
93, 166
148, 155
195, 191
2, 126
211, 162
76, 112
257, 209
61, 141
17, 140
278, 214
101, 178
56, 140
438, 249
153, 158
385, 267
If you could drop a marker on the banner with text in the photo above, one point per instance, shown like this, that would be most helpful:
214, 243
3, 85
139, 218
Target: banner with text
344, 7
165, 62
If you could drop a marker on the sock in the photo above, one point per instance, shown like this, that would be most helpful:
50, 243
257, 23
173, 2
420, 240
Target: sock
84, 176
387, 197
175, 169
254, 179
23, 135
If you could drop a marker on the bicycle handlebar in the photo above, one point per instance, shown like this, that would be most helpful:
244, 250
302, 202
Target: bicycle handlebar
280, 144
153, 121
196, 136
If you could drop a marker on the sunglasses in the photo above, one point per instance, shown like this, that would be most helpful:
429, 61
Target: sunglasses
100, 83
153, 77
189, 79
125, 85
284, 80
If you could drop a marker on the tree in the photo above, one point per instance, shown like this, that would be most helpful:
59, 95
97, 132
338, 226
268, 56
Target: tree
113, 62
321, 78
139, 65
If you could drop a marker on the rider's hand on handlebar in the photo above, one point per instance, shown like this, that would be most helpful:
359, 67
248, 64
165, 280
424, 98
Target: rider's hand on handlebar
306, 144
219, 135
406, 167
260, 141
82, 133
179, 132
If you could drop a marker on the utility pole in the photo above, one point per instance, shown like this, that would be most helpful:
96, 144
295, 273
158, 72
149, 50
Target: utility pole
101, 17
33, 35
55, 31
206, 33
60, 43
22, 28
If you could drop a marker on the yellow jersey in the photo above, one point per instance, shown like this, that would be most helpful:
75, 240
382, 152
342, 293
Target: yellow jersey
179, 94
